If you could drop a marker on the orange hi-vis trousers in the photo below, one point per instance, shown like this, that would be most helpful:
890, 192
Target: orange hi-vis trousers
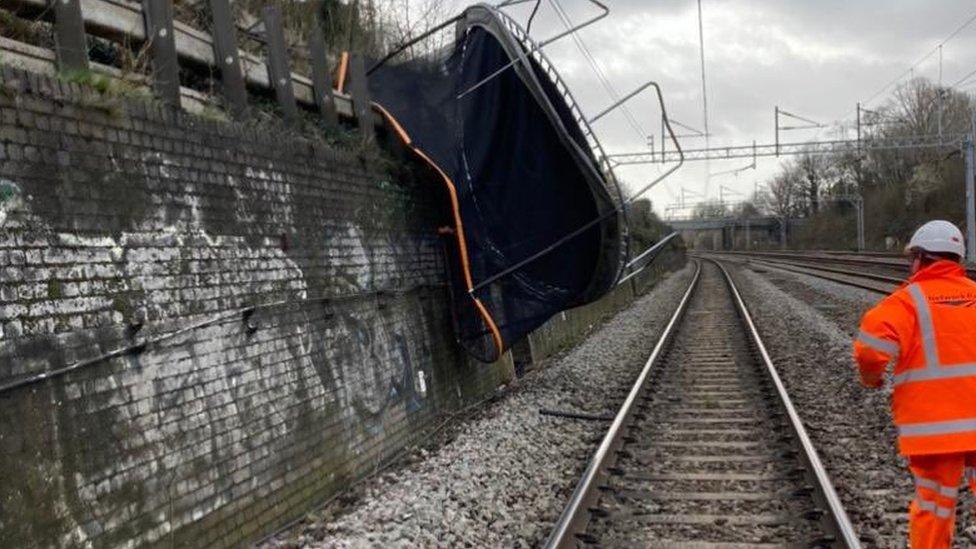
932, 514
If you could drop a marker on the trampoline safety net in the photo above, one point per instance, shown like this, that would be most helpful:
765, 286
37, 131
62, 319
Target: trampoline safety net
518, 177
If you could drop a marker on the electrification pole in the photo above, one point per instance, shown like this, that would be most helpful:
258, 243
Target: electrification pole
967, 146
748, 236
860, 223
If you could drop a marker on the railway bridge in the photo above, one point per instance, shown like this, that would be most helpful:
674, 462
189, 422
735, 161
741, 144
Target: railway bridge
729, 232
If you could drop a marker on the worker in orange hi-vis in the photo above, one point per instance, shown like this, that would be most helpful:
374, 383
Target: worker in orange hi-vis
927, 328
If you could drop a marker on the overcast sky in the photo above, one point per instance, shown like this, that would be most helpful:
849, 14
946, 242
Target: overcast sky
813, 58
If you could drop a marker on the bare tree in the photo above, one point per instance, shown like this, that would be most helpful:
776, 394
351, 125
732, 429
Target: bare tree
747, 208
404, 20
645, 227
783, 197
812, 168
917, 107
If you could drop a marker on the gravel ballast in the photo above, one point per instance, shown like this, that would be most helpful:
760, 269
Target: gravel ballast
808, 325
506, 475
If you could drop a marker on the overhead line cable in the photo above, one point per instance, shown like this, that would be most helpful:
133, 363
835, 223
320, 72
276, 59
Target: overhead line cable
911, 69
964, 79
934, 50
600, 74
602, 77
701, 50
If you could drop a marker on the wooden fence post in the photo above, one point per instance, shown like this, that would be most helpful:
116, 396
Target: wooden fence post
69, 30
359, 90
322, 79
227, 57
279, 70
161, 40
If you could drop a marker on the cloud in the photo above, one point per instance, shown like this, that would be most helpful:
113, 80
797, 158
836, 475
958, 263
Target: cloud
816, 59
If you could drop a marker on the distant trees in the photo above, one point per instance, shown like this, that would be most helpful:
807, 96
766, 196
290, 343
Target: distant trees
710, 209
401, 21
784, 193
646, 229
900, 188
375, 27
812, 170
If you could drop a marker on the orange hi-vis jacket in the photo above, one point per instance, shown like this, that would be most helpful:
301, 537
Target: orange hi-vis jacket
928, 329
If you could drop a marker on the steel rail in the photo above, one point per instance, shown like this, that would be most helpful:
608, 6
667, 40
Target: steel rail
574, 518
879, 284
860, 274
846, 278
884, 260
841, 523
850, 258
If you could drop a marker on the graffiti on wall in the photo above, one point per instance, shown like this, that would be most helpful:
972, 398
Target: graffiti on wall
11, 200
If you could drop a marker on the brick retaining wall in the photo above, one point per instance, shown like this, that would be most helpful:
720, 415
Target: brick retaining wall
282, 303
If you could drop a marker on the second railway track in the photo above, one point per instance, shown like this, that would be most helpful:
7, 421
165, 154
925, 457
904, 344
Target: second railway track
707, 450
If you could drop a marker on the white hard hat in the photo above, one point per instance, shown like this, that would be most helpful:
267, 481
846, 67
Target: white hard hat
938, 237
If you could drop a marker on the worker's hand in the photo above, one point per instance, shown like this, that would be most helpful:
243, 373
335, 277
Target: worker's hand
872, 381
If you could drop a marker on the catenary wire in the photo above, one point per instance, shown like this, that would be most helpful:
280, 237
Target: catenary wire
604, 80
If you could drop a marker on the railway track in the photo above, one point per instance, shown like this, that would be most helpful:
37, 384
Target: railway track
707, 450
868, 280
877, 262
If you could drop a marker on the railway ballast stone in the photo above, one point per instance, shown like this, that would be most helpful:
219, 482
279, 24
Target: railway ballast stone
506, 475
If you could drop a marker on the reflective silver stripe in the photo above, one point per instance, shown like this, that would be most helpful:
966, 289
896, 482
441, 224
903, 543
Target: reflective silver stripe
890, 348
925, 325
944, 372
938, 427
931, 507
929, 484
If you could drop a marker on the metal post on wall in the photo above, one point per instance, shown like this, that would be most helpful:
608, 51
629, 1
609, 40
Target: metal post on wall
227, 57
279, 68
69, 34
859, 206
160, 38
359, 90
967, 146
322, 79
